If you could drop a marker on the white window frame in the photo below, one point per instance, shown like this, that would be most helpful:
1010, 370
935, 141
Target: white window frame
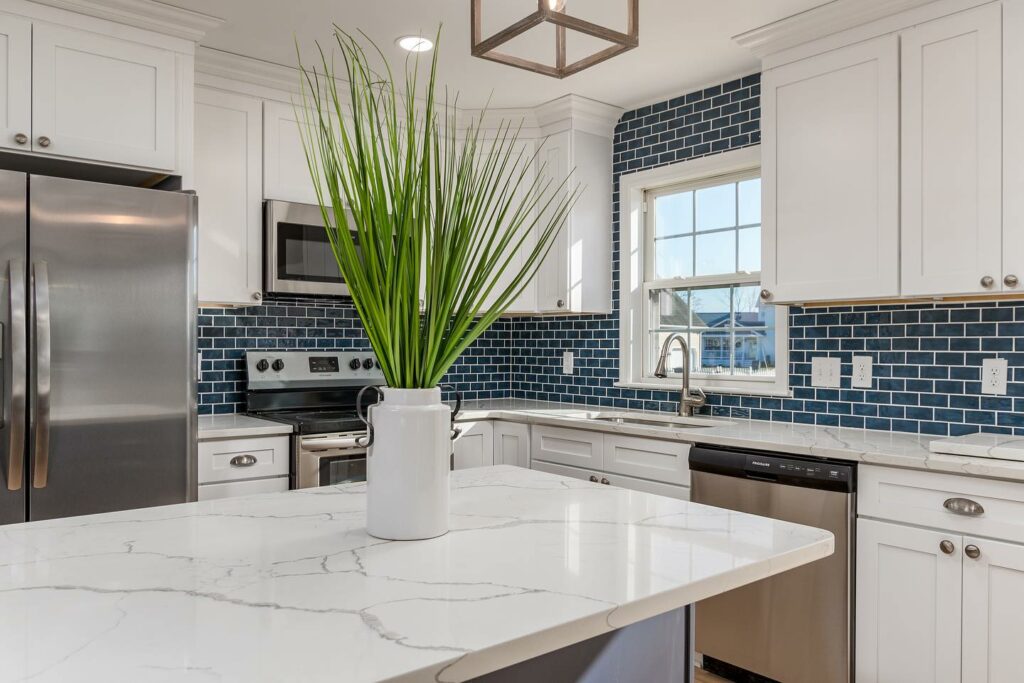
634, 291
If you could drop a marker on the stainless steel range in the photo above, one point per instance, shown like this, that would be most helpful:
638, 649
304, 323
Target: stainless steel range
315, 392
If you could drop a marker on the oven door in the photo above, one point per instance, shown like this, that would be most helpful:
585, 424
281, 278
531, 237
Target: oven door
298, 254
328, 459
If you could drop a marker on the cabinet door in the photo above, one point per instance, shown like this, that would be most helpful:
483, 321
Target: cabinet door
993, 618
102, 98
511, 444
234, 489
574, 447
830, 165
285, 171
474, 447
908, 604
228, 165
1013, 146
15, 82
526, 302
952, 154
656, 487
553, 276
665, 461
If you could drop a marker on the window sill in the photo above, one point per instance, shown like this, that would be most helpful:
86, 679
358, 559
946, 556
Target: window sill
743, 390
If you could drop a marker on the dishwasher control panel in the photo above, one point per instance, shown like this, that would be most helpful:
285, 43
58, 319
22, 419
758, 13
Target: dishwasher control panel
797, 468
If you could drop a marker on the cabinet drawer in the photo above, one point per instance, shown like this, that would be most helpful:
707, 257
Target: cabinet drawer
663, 461
235, 459
567, 446
656, 487
233, 489
915, 497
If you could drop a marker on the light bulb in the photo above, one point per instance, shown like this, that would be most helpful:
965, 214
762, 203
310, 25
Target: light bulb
414, 43
556, 5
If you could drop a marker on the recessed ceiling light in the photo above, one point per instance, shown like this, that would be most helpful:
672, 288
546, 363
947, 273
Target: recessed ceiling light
414, 43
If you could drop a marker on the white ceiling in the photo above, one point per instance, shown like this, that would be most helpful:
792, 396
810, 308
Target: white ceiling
684, 44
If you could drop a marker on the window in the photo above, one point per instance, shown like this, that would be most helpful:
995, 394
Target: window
694, 270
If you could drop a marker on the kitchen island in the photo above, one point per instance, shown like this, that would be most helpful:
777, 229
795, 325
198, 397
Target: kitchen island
289, 587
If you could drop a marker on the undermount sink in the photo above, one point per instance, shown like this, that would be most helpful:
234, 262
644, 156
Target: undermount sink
667, 421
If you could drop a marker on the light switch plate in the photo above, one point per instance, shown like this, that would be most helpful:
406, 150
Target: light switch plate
993, 376
567, 363
825, 372
862, 372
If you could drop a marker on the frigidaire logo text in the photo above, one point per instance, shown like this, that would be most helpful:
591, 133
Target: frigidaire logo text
760, 463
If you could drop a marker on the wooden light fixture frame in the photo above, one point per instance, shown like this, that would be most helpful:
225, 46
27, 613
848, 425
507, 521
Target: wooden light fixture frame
487, 48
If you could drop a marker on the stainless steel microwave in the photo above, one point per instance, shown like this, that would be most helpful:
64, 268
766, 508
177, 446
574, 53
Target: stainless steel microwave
297, 252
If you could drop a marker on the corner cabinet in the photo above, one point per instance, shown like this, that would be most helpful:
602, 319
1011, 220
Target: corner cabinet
228, 165
474, 446
884, 159
830, 175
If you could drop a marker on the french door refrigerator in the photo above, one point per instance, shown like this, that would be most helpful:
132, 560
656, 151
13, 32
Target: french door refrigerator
98, 340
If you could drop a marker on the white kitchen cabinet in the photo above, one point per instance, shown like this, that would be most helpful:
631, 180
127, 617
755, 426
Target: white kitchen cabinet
908, 604
574, 447
474, 447
576, 275
228, 175
103, 98
665, 461
15, 82
952, 238
1013, 147
286, 174
242, 466
830, 166
993, 618
511, 444
632, 483
233, 489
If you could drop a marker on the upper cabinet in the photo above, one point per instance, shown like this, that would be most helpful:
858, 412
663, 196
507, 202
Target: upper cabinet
119, 97
884, 156
285, 170
952, 154
830, 175
228, 165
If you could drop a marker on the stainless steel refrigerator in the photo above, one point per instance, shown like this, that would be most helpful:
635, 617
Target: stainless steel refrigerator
99, 351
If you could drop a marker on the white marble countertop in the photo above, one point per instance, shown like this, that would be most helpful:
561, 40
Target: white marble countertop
998, 446
238, 426
289, 587
895, 449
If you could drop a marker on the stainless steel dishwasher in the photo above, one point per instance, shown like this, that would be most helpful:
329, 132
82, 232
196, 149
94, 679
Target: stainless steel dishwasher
796, 627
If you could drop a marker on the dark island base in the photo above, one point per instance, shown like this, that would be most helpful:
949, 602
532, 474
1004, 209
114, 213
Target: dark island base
656, 650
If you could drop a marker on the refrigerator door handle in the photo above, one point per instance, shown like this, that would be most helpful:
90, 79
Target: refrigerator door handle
41, 292
16, 420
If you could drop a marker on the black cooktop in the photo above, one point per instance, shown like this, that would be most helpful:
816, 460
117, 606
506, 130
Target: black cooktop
317, 421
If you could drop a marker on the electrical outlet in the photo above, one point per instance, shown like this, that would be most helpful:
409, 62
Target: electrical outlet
825, 372
993, 376
862, 372
567, 363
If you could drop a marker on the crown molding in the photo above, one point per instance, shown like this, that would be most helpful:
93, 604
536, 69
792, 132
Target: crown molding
832, 17
247, 70
145, 14
578, 113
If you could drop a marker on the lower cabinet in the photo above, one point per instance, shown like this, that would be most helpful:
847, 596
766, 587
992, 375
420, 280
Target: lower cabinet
243, 466
597, 477
511, 444
942, 604
474, 446
233, 489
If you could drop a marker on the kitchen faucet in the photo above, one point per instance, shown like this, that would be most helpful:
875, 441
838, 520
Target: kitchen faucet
687, 400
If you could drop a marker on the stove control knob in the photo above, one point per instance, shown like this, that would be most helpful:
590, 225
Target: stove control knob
278, 365
262, 365
354, 363
368, 364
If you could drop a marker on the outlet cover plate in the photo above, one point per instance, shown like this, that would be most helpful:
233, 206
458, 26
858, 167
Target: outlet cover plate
862, 372
993, 376
568, 361
825, 372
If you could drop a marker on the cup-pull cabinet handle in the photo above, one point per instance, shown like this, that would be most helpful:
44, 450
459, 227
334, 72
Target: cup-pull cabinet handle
243, 460
964, 506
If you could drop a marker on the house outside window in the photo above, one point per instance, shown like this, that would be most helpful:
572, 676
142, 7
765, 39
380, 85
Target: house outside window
693, 239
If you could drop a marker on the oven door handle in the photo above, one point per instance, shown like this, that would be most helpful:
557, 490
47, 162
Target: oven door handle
321, 444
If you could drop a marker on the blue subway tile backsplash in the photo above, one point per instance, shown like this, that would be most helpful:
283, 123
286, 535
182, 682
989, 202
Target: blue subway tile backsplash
926, 356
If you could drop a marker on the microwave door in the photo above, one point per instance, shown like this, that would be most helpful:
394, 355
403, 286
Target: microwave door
300, 259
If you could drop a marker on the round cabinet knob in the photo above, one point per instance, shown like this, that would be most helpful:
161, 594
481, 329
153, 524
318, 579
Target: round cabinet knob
947, 547
560, 303
257, 296
1011, 281
278, 365
605, 481
262, 365
43, 141
766, 294
21, 139
354, 363
593, 478
368, 364
972, 551
987, 281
